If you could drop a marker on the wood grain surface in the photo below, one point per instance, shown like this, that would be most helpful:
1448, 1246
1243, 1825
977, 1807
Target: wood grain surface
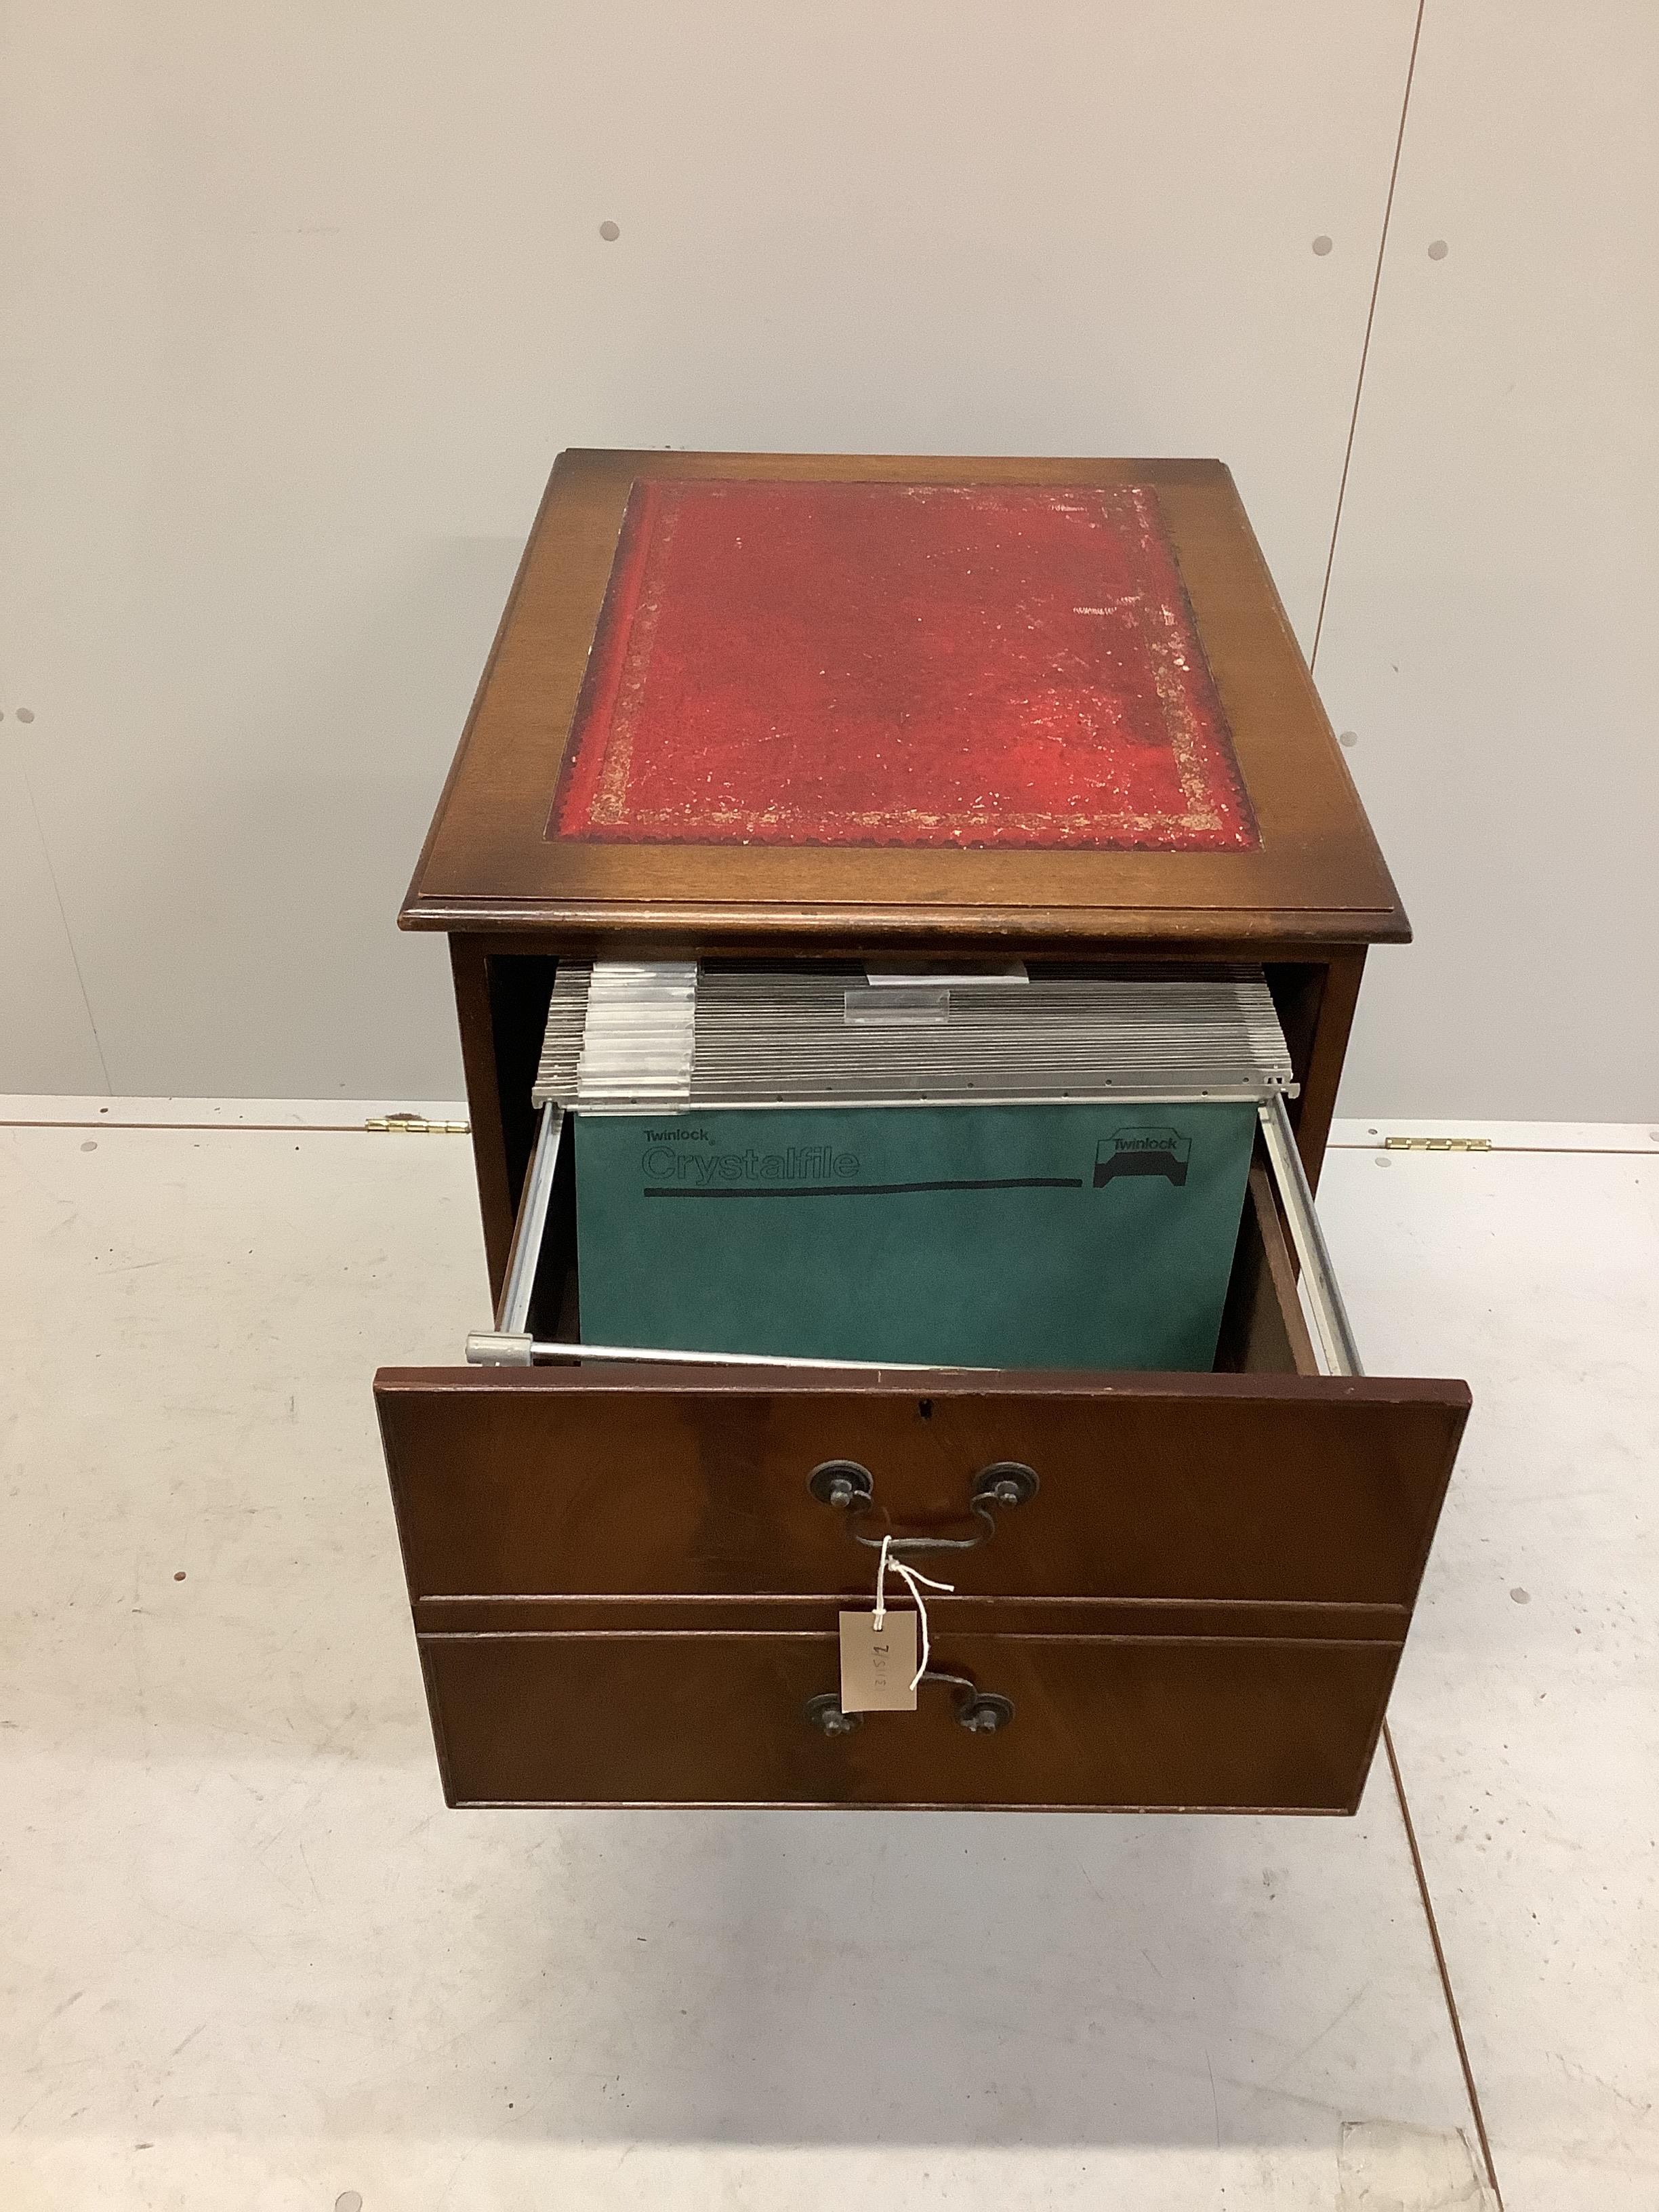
1176, 1724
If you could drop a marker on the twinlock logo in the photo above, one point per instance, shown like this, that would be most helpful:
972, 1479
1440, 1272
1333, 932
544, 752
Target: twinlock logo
666, 1163
1149, 1152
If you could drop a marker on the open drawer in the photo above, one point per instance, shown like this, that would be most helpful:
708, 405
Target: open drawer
1170, 1591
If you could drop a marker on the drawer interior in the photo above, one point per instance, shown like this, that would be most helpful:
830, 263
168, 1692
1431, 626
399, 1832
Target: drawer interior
1263, 1328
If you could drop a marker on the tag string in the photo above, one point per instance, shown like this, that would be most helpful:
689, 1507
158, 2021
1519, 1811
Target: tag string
914, 1579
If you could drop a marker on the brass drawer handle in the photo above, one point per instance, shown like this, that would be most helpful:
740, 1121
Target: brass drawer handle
850, 1489
982, 1712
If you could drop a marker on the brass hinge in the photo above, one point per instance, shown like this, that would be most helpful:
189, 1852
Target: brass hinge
1436, 1144
416, 1125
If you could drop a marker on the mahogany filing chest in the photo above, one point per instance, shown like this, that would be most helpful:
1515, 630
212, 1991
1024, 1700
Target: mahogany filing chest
798, 708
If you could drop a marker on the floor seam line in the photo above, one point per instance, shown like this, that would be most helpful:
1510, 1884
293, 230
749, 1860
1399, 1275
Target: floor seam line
1531, 1152
356, 1129
224, 1128
1446, 1990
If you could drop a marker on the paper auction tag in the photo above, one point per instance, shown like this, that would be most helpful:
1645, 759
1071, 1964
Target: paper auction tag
877, 1663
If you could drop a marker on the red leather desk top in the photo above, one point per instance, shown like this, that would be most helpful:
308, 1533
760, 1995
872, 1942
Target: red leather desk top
858, 664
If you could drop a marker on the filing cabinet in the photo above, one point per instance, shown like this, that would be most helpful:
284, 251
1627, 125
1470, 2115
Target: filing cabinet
791, 709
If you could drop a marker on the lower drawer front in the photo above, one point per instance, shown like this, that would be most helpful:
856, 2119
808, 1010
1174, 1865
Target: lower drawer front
1100, 1722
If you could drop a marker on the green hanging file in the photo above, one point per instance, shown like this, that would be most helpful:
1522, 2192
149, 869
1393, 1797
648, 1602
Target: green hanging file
1070, 1235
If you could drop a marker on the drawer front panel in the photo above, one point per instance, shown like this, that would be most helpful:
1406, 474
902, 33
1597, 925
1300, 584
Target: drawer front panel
546, 1482
1096, 1722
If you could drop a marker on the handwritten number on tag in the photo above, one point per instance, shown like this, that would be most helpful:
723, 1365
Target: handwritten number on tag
877, 1664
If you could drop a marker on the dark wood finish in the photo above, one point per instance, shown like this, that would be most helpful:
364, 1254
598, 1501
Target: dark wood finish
578, 1483
1262, 1328
1176, 1724
1202, 1606
489, 866
622, 1589
1319, 1053
689, 1614
625, 1591
498, 1185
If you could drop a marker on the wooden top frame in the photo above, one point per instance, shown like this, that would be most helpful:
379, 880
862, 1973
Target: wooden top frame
489, 866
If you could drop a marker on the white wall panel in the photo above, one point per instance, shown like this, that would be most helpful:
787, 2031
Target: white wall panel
1489, 637
47, 1041
304, 295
